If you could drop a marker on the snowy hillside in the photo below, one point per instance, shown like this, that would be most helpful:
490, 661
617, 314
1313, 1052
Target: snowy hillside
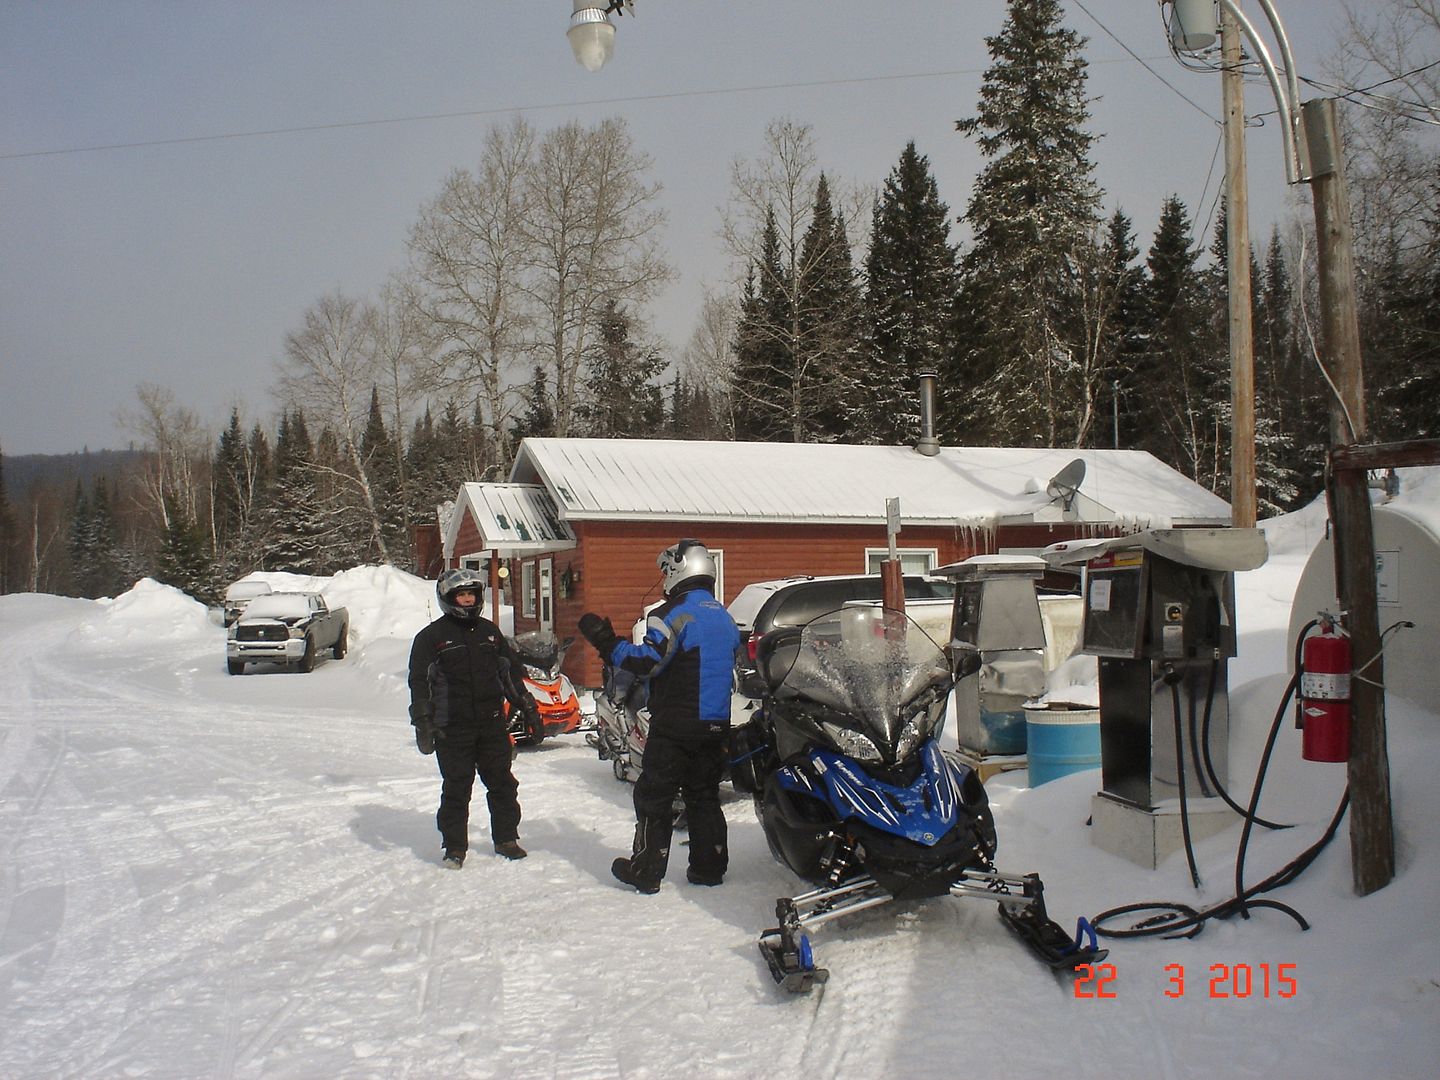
206, 875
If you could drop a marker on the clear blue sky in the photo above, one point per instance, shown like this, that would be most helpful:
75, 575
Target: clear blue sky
184, 263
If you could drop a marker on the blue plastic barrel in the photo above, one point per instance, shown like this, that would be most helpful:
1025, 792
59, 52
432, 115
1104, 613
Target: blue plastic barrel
1060, 742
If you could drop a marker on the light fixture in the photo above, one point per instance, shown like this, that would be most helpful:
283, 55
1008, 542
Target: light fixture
591, 34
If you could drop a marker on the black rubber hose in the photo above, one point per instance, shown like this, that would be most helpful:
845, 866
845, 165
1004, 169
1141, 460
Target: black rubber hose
1170, 677
1195, 752
1210, 764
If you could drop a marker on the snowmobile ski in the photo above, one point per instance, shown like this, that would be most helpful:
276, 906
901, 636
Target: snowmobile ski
788, 954
1045, 937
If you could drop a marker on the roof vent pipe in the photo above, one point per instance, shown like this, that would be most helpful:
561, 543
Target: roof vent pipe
928, 444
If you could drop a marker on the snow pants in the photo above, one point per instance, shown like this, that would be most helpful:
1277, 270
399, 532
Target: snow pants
692, 768
462, 753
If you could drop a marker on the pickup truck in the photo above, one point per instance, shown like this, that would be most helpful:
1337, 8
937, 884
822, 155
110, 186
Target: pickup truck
290, 628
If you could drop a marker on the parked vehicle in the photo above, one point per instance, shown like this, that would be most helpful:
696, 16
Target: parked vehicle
622, 723
794, 601
290, 628
555, 697
856, 797
239, 595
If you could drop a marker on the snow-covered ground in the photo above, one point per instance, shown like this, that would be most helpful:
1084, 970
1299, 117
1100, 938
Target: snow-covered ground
205, 875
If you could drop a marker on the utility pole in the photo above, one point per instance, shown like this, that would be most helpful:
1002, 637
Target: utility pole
1237, 259
1372, 838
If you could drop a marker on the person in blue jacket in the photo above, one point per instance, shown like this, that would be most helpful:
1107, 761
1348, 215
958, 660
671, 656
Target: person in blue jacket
687, 658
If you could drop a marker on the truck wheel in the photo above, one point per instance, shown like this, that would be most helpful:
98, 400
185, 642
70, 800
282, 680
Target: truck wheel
341, 645
307, 661
235, 667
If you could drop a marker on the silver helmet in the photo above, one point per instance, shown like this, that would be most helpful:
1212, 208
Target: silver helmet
453, 581
685, 561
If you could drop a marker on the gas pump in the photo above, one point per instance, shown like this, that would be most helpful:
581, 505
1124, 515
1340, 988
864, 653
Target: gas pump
996, 616
1160, 617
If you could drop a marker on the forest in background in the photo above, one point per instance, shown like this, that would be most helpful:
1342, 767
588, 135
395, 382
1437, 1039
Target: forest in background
521, 311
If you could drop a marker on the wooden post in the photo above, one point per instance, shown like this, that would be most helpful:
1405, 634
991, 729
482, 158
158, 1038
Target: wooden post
1372, 839
1237, 258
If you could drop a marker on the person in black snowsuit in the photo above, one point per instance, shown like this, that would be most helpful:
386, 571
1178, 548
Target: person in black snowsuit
461, 668
687, 657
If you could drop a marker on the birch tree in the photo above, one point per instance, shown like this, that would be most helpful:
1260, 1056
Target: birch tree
469, 252
591, 239
330, 369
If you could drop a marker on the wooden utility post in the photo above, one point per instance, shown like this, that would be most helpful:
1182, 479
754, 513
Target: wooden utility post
1372, 839
1237, 258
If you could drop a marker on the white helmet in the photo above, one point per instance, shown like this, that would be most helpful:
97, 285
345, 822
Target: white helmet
451, 582
685, 561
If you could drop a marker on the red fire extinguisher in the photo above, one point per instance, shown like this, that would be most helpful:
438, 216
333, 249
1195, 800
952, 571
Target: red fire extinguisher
1325, 695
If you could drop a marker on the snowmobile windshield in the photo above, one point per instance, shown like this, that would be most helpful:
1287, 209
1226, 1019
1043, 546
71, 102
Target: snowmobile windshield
879, 670
537, 647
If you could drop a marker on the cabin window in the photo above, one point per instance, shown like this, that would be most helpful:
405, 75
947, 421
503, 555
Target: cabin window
912, 560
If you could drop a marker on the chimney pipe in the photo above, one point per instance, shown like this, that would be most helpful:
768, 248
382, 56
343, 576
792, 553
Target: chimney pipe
928, 444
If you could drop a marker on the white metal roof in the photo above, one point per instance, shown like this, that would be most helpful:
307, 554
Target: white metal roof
978, 487
515, 519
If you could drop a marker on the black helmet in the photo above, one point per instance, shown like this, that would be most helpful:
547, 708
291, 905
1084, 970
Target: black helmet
453, 581
685, 561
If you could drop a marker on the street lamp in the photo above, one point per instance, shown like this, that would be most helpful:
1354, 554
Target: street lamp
591, 33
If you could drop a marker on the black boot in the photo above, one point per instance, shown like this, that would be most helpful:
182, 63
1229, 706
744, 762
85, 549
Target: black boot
645, 868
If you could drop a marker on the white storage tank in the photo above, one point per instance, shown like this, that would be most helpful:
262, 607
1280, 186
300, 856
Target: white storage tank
1407, 577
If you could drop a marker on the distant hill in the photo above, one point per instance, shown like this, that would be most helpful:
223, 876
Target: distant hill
24, 470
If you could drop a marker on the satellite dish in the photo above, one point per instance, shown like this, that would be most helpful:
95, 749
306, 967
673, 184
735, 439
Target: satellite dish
1064, 484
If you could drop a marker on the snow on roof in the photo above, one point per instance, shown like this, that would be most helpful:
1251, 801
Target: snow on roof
515, 518
836, 483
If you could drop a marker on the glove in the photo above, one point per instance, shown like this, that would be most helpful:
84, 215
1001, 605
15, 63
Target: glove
598, 632
422, 716
532, 717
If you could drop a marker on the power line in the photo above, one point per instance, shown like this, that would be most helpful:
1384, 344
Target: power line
1137, 58
499, 111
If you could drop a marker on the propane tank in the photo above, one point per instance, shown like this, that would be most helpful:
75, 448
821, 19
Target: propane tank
1324, 698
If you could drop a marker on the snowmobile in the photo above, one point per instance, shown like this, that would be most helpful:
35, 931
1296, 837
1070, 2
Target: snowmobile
856, 797
555, 697
622, 722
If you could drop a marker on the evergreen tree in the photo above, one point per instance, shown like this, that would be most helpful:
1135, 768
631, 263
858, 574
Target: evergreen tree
230, 482
1177, 402
912, 279
425, 489
538, 418
81, 539
183, 561
618, 397
296, 529
764, 353
1032, 213
829, 350
377, 450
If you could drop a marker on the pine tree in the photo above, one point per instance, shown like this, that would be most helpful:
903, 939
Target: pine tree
912, 278
377, 450
829, 350
1177, 404
538, 418
183, 561
764, 355
1032, 213
618, 396
296, 529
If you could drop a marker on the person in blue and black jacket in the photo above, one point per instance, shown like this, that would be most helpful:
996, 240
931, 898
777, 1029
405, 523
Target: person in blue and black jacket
688, 659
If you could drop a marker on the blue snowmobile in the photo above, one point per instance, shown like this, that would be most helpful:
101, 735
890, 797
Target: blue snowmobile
857, 798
